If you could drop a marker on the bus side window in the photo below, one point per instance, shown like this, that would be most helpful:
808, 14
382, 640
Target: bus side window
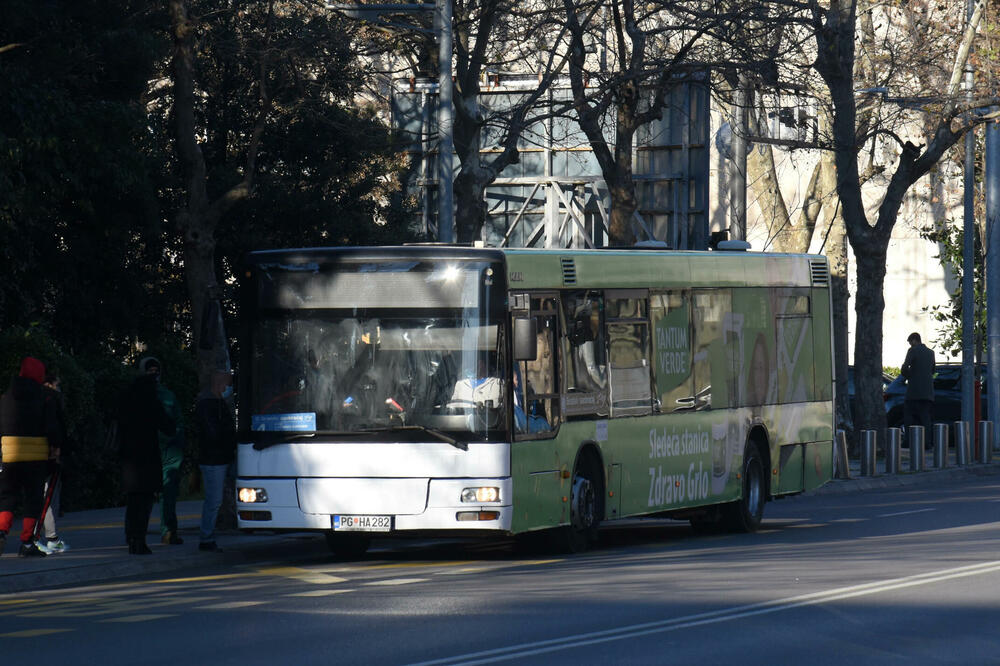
628, 354
541, 389
585, 362
671, 316
793, 334
712, 360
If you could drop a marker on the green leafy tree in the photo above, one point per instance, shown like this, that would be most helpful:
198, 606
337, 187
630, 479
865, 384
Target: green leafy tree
266, 145
78, 208
949, 316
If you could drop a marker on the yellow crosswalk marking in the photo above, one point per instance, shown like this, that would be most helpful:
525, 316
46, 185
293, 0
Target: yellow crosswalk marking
14, 602
122, 607
31, 633
229, 605
304, 575
42, 604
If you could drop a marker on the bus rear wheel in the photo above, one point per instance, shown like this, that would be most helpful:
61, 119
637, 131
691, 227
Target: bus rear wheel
746, 513
347, 546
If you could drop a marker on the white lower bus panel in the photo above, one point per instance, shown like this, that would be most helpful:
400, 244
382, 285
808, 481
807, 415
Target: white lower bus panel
414, 504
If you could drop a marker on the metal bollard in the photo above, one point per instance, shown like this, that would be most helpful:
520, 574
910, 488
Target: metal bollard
985, 442
916, 437
841, 463
867, 453
962, 442
940, 445
893, 446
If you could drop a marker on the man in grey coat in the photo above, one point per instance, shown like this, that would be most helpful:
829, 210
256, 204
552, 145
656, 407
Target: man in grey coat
918, 368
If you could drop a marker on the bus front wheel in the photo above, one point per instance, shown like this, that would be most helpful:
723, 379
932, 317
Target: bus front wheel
585, 507
347, 546
746, 513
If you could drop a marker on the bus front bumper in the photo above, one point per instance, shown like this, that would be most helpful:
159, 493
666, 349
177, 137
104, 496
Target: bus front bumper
411, 505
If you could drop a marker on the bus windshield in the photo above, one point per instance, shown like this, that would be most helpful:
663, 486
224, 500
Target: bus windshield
371, 347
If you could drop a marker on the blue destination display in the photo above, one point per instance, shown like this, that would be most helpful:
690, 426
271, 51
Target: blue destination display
304, 421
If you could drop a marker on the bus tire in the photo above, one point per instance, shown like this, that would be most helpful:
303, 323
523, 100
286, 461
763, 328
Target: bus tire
746, 513
585, 512
347, 546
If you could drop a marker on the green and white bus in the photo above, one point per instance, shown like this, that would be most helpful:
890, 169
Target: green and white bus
442, 390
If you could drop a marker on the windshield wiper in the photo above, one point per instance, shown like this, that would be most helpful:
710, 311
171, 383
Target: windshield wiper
266, 439
430, 431
436, 433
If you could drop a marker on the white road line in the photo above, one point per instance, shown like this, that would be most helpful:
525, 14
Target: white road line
905, 513
318, 593
231, 605
712, 617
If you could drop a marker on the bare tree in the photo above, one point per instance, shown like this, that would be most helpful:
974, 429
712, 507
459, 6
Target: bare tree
835, 28
649, 51
494, 38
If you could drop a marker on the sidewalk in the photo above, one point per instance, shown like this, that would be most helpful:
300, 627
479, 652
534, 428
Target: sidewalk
98, 551
927, 476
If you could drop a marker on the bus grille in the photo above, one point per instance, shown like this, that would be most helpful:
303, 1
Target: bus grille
820, 273
568, 270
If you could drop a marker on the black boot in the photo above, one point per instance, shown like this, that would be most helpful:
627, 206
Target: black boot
138, 547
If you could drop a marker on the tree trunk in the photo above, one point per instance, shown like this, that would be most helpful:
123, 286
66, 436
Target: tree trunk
470, 205
869, 307
623, 208
199, 217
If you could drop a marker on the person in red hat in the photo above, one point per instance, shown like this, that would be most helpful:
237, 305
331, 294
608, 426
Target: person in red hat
29, 428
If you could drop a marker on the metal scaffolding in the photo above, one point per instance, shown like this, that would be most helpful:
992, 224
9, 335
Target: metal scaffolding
555, 196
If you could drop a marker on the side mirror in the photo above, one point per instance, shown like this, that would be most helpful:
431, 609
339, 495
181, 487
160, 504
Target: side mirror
525, 339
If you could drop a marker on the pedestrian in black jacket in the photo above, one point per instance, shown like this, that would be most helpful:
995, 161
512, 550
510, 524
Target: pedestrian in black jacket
918, 405
140, 421
30, 429
217, 450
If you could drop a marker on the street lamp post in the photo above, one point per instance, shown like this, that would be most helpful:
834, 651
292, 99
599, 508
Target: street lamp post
446, 117
968, 261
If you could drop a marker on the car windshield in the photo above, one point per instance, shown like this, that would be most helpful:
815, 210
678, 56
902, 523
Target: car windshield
436, 364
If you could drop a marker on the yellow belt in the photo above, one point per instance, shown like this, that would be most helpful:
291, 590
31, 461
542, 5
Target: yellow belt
24, 449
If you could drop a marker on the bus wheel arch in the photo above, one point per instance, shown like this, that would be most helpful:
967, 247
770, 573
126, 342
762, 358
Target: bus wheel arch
586, 497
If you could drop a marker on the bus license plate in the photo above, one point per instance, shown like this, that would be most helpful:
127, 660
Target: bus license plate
362, 523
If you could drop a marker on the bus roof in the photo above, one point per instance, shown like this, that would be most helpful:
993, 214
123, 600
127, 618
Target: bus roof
621, 268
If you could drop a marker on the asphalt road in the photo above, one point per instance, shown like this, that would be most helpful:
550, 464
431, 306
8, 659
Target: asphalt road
892, 576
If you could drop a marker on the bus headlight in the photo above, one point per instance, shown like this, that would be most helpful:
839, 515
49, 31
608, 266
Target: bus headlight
252, 495
482, 494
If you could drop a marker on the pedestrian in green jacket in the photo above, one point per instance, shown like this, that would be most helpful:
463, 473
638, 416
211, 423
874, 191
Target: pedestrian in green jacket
171, 454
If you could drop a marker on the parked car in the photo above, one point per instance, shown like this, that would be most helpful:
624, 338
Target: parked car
947, 396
